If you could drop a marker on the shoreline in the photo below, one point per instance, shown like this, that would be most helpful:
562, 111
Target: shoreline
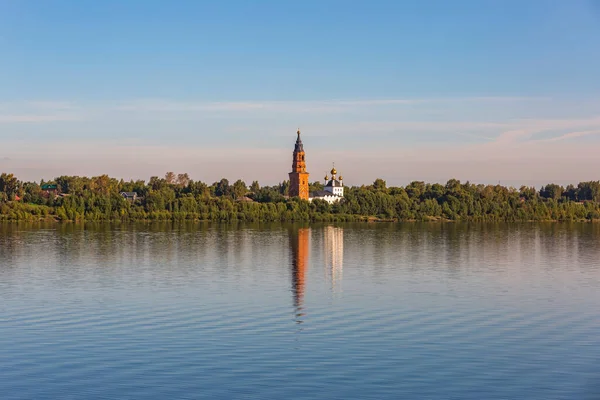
361, 219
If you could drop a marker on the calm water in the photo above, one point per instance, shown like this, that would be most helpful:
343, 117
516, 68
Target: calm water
291, 312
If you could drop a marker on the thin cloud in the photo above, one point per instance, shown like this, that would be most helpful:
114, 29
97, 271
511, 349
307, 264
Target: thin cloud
528, 128
572, 135
36, 106
52, 105
266, 106
38, 111
383, 135
36, 118
162, 105
171, 106
60, 110
495, 98
385, 126
513, 135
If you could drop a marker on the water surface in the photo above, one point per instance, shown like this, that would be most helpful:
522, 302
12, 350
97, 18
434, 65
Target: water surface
364, 311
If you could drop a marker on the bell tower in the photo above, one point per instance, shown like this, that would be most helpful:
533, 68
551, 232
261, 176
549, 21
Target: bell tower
299, 176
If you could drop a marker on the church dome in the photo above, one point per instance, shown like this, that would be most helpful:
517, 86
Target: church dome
341, 179
333, 171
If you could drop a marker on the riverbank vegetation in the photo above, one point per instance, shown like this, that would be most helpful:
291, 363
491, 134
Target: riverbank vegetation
177, 197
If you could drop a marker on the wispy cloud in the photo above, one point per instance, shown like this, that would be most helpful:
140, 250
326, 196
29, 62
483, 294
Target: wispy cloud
572, 135
469, 138
302, 107
38, 111
150, 105
60, 110
513, 135
162, 105
407, 125
52, 105
526, 129
36, 118
37, 105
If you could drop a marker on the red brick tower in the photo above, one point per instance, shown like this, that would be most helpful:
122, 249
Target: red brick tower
299, 176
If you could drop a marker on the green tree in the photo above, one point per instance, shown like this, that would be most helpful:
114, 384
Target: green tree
170, 178
239, 189
9, 185
589, 191
551, 191
198, 189
183, 179
528, 193
315, 186
284, 187
222, 188
379, 184
157, 183
415, 189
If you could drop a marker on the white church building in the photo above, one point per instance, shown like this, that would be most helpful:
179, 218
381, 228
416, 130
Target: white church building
333, 190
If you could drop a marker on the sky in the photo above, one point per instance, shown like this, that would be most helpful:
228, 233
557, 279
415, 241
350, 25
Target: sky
486, 91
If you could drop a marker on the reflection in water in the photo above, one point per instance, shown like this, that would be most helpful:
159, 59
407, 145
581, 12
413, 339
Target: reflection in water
137, 311
299, 245
334, 255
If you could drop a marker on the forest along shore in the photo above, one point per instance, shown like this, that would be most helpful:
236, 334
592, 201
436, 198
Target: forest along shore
177, 197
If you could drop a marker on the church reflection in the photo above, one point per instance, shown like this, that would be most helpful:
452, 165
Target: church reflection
299, 245
334, 255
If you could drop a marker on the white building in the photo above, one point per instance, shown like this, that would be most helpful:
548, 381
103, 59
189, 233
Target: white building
333, 190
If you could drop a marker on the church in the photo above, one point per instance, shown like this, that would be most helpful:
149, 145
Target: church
334, 187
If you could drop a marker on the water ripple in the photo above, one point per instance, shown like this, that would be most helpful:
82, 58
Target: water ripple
268, 312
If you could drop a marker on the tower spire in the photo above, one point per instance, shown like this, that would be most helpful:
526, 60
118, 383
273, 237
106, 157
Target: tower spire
299, 146
299, 176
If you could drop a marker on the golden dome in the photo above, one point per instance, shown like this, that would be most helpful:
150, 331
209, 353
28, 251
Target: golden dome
333, 171
326, 177
341, 179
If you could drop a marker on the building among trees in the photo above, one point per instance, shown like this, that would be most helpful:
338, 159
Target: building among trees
50, 189
299, 176
129, 196
333, 190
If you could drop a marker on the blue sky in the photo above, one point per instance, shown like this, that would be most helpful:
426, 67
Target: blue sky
484, 91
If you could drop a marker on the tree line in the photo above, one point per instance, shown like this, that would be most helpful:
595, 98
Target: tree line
177, 197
